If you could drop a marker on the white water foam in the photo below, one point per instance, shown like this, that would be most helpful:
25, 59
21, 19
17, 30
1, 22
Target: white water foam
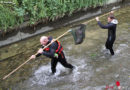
104, 50
43, 76
121, 48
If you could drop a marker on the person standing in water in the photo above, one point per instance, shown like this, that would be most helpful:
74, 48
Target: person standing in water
111, 26
54, 51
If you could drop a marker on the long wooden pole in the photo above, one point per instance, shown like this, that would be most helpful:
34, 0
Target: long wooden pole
34, 54
94, 18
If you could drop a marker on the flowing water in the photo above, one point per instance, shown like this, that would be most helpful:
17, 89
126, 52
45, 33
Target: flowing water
95, 68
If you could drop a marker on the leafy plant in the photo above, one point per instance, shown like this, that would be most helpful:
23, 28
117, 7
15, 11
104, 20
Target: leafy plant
7, 18
13, 14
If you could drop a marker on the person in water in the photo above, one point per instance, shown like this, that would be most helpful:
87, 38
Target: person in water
111, 26
54, 51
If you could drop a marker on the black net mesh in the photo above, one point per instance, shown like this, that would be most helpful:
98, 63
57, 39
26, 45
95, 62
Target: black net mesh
78, 33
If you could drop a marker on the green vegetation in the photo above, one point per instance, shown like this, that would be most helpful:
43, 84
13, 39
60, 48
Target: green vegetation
13, 12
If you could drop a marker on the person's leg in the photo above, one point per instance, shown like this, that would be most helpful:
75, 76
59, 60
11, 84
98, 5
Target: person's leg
63, 61
53, 65
111, 51
110, 46
106, 45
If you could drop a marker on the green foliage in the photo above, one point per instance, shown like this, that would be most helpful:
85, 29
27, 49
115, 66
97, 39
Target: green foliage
41, 9
7, 18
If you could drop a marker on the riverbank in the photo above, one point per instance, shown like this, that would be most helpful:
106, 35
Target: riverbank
14, 14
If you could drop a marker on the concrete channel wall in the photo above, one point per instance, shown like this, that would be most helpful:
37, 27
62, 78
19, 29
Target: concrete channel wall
25, 32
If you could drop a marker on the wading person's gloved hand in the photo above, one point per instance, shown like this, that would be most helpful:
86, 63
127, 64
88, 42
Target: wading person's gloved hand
56, 55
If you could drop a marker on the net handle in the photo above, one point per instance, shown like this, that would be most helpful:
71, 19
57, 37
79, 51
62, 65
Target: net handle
99, 17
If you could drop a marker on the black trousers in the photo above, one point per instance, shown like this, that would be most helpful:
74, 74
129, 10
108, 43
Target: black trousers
109, 44
61, 58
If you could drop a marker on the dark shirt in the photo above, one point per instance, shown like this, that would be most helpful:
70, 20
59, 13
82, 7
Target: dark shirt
52, 49
111, 29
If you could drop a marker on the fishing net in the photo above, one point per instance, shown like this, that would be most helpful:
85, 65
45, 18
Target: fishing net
78, 33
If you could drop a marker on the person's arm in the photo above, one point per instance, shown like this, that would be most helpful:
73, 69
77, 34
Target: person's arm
38, 55
104, 26
51, 53
111, 13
